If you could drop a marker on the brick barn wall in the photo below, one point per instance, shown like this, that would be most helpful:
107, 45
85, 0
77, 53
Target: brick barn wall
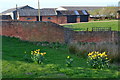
24, 18
62, 19
55, 19
78, 19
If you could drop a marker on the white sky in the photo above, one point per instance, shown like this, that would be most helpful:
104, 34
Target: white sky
7, 4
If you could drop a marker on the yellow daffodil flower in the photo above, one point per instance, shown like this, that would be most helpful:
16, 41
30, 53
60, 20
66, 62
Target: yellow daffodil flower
68, 56
44, 53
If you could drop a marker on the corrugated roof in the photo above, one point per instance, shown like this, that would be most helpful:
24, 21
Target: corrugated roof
28, 12
66, 13
48, 11
34, 12
14, 9
72, 12
82, 7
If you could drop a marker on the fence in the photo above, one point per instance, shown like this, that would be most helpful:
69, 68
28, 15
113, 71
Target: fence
101, 28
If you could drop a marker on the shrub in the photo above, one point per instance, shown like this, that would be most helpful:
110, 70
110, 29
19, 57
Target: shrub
98, 60
73, 48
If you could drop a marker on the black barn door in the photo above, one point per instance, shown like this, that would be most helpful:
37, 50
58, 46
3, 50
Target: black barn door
40, 18
84, 18
71, 19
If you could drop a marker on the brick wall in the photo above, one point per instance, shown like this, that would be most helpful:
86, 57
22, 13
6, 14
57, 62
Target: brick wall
55, 19
32, 18
52, 18
87, 36
78, 19
33, 31
48, 31
62, 19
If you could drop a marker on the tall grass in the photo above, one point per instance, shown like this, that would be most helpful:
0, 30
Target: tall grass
83, 49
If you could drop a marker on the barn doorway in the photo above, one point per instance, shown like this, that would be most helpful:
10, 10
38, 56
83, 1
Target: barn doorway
40, 18
84, 18
71, 19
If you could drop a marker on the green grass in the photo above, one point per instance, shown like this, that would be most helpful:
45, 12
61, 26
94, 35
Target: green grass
14, 65
84, 26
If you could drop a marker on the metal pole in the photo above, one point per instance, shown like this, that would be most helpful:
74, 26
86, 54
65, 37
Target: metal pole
16, 12
38, 10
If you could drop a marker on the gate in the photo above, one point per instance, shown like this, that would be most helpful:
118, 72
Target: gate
71, 19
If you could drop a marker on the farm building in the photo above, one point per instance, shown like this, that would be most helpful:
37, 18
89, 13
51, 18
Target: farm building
27, 13
5, 17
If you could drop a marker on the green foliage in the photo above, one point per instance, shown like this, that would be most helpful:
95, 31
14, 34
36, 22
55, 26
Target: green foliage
54, 45
107, 11
73, 48
98, 60
69, 61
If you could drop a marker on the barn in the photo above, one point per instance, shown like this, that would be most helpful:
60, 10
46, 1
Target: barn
74, 16
27, 13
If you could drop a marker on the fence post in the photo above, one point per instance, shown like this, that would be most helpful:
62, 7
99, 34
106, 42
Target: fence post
87, 29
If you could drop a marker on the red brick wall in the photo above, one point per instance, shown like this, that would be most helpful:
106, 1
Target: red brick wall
33, 31
48, 31
62, 19
55, 19
95, 36
24, 18
78, 19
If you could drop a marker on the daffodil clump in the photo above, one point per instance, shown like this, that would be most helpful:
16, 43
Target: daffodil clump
37, 56
98, 60
69, 61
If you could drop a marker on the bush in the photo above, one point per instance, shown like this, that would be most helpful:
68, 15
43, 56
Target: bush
73, 48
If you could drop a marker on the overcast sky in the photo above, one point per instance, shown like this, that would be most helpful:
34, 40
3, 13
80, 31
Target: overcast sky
6, 4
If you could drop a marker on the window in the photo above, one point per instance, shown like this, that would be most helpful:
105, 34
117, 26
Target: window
28, 18
49, 18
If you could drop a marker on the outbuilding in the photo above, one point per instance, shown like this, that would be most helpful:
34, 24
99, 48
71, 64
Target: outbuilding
27, 13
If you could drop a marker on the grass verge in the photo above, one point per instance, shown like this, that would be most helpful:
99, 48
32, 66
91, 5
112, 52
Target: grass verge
14, 65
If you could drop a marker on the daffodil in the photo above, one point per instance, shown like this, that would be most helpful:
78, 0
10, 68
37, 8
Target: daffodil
68, 56
42, 54
35, 51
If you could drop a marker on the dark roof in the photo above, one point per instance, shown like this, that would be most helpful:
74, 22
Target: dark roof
73, 12
28, 12
66, 13
14, 9
82, 7
48, 11
34, 12
5, 17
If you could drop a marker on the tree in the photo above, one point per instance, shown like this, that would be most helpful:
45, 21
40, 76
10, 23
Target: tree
110, 12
